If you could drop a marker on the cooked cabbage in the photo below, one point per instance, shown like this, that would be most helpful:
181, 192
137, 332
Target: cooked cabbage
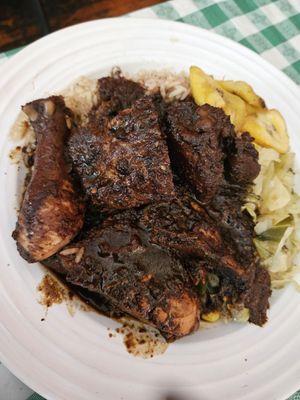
275, 207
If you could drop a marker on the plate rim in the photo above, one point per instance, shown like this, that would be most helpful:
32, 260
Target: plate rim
225, 40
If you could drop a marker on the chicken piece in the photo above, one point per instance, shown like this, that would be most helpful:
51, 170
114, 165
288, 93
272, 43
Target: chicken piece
236, 226
242, 161
184, 226
96, 300
52, 212
115, 94
118, 93
142, 280
125, 163
205, 149
214, 239
195, 135
257, 297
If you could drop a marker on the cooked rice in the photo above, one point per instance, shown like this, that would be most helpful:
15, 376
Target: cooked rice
81, 96
172, 86
79, 255
22, 130
69, 251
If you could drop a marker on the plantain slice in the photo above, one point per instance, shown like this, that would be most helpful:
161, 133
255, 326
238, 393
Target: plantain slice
251, 110
268, 129
244, 91
205, 89
235, 107
247, 111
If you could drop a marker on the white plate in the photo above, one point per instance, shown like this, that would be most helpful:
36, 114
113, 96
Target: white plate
73, 358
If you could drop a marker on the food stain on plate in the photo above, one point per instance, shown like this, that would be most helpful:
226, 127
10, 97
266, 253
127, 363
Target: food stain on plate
141, 340
21, 129
52, 291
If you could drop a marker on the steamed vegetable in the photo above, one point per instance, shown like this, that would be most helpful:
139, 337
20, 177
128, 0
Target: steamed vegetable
275, 207
212, 316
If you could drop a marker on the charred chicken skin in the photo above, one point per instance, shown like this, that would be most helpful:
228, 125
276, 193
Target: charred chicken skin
117, 94
205, 149
125, 163
195, 145
140, 279
51, 212
185, 227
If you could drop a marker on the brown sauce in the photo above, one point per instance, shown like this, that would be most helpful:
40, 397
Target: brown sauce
141, 340
52, 291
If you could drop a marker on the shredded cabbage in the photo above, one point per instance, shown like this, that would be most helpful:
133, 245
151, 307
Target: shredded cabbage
275, 208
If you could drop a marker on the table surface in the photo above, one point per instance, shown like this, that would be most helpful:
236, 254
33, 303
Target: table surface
269, 27
20, 21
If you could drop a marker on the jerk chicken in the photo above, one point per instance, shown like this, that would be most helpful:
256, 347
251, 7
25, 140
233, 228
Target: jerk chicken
116, 94
163, 186
184, 227
204, 136
141, 279
52, 212
124, 162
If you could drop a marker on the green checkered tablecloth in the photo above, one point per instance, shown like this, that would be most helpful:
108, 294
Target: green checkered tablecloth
269, 27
